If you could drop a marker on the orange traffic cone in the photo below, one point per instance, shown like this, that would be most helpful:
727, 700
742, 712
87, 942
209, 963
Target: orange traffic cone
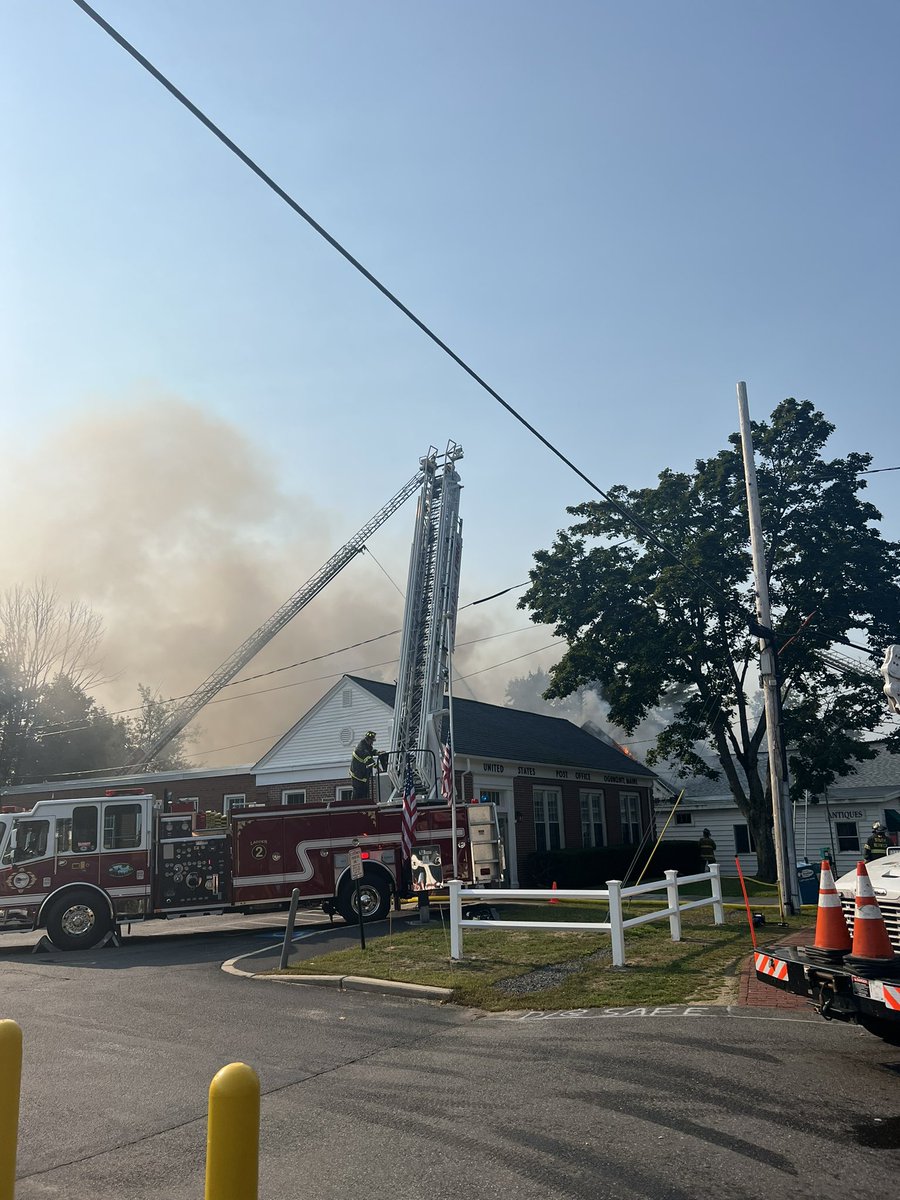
870, 937
832, 934
553, 899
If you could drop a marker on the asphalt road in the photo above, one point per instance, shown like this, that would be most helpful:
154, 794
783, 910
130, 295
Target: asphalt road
365, 1095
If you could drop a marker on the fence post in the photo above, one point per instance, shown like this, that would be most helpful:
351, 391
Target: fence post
675, 911
617, 930
718, 906
11, 1074
232, 1140
456, 933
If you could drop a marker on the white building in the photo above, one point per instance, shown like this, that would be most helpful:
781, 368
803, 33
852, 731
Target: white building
839, 821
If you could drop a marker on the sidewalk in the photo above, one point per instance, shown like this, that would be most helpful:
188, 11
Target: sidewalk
753, 994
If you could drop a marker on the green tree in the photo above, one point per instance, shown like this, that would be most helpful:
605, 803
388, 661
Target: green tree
50, 726
644, 625
150, 722
41, 639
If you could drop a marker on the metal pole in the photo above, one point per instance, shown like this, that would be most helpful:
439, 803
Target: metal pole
782, 824
232, 1141
289, 929
11, 1073
453, 833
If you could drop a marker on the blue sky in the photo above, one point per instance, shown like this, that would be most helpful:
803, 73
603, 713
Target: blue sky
612, 211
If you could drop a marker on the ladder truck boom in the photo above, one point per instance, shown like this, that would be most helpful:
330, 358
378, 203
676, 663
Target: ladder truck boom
202, 695
429, 622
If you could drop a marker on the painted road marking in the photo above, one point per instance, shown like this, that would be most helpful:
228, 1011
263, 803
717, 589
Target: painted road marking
592, 1014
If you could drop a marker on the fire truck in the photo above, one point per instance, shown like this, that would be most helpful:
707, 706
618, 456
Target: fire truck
81, 868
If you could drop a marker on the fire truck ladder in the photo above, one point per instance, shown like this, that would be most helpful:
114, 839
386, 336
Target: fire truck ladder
189, 708
429, 626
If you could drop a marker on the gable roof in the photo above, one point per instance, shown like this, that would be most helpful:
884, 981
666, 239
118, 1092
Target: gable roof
492, 731
882, 771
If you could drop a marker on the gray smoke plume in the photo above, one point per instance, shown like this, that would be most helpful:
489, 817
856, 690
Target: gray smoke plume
173, 526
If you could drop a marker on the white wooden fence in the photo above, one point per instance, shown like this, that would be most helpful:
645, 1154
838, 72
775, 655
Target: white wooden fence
613, 894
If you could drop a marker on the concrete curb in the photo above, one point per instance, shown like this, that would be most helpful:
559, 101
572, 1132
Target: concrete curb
349, 983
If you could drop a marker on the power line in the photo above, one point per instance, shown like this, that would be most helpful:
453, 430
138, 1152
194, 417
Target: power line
53, 730
267, 179
58, 726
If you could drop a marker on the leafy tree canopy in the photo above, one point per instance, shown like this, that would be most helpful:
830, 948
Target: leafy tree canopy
50, 726
646, 624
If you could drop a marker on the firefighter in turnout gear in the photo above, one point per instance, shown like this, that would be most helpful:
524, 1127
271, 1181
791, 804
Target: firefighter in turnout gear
876, 846
707, 848
361, 766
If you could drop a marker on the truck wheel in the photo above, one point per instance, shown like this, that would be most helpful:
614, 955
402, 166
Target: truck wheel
78, 921
374, 899
883, 1027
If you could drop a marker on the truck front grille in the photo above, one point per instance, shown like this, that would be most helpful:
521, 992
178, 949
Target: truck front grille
890, 910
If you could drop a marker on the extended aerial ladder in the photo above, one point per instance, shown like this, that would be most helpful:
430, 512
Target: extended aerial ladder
186, 711
429, 626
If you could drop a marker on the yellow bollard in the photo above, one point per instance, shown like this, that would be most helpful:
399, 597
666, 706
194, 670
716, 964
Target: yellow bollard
11, 1075
232, 1139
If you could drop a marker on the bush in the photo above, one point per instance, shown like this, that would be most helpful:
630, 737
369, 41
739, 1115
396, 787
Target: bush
592, 868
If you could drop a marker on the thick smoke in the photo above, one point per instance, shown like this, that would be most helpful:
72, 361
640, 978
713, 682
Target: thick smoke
175, 528
587, 709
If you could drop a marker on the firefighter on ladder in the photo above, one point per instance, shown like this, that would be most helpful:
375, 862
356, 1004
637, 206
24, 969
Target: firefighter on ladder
361, 766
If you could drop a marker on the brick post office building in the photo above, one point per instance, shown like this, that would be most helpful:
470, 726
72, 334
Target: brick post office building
556, 786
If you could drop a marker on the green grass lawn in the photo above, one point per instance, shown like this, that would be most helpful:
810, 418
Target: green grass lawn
546, 969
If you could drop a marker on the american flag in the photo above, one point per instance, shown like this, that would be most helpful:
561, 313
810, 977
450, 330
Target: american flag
447, 772
410, 813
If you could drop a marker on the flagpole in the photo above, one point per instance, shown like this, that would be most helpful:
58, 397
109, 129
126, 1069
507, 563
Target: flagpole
452, 743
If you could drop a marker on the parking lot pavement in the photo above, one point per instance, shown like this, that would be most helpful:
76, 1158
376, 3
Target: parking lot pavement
311, 941
193, 925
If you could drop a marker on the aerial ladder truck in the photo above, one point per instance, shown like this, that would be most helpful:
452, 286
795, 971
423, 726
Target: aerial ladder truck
81, 868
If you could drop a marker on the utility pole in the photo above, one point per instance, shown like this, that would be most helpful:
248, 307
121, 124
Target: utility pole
782, 819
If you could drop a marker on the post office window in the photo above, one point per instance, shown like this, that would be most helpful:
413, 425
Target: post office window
847, 835
630, 817
30, 838
122, 827
593, 822
78, 834
548, 830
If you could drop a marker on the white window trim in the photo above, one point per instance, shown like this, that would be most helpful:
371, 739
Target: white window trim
625, 798
301, 792
342, 787
586, 796
228, 802
554, 793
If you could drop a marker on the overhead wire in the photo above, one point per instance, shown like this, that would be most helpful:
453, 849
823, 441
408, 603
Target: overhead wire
285, 196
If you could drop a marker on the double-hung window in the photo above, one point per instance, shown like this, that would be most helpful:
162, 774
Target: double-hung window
630, 816
548, 829
593, 824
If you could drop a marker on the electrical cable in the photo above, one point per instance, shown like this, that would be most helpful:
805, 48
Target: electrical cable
251, 165
66, 727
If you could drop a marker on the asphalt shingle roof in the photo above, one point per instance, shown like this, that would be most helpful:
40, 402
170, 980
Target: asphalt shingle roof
881, 771
491, 731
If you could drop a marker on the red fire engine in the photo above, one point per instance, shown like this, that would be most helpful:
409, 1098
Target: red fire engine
80, 868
